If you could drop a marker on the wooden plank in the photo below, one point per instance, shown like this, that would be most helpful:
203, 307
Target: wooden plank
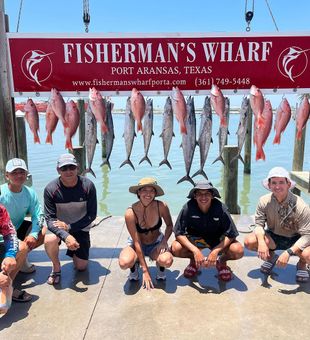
302, 179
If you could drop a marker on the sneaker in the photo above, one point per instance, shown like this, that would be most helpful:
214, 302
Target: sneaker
134, 275
28, 267
161, 273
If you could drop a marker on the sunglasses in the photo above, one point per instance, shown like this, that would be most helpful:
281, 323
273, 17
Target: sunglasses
68, 167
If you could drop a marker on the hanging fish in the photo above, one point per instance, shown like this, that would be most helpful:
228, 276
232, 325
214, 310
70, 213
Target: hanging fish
179, 108
32, 118
58, 106
51, 121
167, 131
98, 107
205, 136
147, 130
283, 116
137, 104
302, 116
108, 137
72, 118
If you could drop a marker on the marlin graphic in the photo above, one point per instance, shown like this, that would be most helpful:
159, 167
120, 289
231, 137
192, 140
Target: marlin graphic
33, 60
291, 55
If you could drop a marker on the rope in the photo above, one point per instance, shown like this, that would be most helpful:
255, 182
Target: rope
86, 16
272, 15
19, 15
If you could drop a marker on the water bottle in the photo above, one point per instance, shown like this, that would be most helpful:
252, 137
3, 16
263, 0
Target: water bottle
6, 297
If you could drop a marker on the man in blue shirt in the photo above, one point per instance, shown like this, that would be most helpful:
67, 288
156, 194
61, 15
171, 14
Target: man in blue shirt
21, 201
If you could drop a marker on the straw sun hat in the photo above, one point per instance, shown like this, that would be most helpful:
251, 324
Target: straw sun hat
147, 182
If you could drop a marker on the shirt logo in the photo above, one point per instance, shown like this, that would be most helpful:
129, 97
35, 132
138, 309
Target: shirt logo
216, 219
194, 216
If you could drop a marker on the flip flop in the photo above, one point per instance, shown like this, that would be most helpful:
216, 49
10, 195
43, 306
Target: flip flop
21, 296
267, 266
190, 271
54, 278
224, 272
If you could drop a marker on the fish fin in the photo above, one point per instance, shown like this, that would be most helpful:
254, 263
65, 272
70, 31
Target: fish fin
161, 135
223, 121
237, 157
127, 161
200, 172
139, 127
183, 129
104, 128
49, 139
165, 161
219, 158
145, 158
299, 134
97, 141
186, 178
106, 162
173, 135
260, 121
88, 170
211, 140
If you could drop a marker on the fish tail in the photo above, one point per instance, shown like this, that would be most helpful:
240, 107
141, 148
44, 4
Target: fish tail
260, 121
88, 170
36, 138
106, 162
139, 126
104, 128
223, 121
186, 178
49, 139
145, 158
219, 158
165, 161
260, 154
127, 161
299, 134
200, 172
68, 144
183, 129
277, 139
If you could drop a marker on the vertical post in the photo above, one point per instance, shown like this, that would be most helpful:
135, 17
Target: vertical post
79, 154
7, 132
298, 157
21, 140
230, 185
248, 143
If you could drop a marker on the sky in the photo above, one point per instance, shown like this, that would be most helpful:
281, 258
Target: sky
138, 16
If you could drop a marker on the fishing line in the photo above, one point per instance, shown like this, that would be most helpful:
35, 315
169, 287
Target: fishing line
19, 15
273, 19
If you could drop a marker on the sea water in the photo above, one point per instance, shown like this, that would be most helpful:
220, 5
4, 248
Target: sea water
112, 185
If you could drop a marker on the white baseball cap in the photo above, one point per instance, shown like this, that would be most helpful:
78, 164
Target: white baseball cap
277, 171
15, 163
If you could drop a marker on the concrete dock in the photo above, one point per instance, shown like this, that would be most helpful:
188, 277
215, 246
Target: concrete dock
102, 304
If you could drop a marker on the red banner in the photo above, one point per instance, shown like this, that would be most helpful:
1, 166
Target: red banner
114, 64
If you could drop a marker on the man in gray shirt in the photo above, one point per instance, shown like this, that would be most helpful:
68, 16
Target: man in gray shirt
282, 222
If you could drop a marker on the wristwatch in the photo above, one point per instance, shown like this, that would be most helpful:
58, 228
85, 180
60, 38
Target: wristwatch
290, 251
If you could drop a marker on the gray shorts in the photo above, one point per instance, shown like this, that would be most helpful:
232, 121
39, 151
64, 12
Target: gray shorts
147, 248
282, 242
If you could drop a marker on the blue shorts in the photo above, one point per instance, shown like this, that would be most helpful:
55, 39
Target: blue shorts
282, 242
147, 248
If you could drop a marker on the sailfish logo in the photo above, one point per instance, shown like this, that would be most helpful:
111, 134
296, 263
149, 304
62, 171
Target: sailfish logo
293, 62
37, 66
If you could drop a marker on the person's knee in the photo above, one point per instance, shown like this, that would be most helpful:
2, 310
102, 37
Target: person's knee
80, 264
165, 260
22, 248
250, 242
305, 255
176, 248
237, 251
50, 239
125, 263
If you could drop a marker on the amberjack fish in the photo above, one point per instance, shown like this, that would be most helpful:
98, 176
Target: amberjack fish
179, 108
58, 106
98, 106
218, 104
242, 127
261, 133
32, 118
90, 139
205, 136
257, 103
147, 129
189, 139
167, 131
302, 116
51, 121
283, 116
137, 103
108, 137
72, 118
223, 132
129, 133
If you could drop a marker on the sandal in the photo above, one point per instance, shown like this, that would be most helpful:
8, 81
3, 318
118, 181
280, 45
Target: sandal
224, 272
302, 275
190, 271
267, 266
21, 296
53, 278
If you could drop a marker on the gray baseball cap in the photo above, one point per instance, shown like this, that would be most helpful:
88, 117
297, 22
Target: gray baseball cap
204, 185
